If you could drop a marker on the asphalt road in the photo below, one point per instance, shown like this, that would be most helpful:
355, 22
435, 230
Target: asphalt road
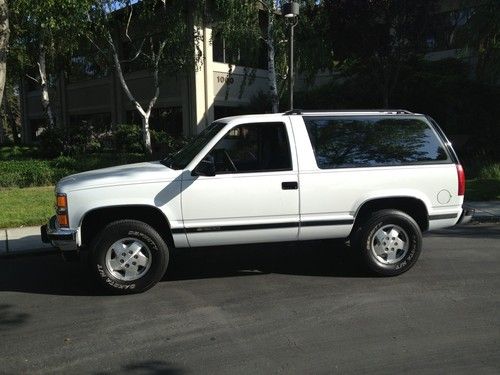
265, 309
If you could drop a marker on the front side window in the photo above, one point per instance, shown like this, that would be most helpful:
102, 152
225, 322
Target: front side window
355, 141
253, 148
181, 159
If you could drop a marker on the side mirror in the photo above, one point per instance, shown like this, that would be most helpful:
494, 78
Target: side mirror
205, 168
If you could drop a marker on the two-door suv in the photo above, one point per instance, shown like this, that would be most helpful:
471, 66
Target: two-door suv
378, 178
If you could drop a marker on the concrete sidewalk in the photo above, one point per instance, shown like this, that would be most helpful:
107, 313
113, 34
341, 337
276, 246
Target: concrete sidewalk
487, 210
22, 240
27, 240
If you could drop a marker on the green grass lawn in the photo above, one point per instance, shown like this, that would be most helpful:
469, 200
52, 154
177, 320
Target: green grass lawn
26, 206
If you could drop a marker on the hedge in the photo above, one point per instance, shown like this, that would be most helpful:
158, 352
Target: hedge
33, 172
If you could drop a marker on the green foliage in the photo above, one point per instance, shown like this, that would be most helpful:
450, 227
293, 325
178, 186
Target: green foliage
33, 172
481, 35
374, 37
164, 144
68, 140
25, 173
491, 171
18, 152
57, 25
128, 138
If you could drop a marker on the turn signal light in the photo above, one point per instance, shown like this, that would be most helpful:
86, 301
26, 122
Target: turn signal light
62, 210
63, 220
61, 201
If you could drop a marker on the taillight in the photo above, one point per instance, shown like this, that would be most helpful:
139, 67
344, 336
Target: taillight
62, 210
461, 179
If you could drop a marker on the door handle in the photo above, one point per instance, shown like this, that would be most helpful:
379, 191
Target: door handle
290, 185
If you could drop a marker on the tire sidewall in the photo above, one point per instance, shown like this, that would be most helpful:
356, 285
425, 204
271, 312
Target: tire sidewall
415, 238
129, 229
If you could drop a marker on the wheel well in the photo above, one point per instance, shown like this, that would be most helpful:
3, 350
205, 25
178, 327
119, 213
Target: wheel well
94, 221
411, 206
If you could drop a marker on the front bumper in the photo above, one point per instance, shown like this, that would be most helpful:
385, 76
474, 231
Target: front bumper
63, 238
466, 216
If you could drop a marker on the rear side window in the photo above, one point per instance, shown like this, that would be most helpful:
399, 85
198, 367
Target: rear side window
351, 142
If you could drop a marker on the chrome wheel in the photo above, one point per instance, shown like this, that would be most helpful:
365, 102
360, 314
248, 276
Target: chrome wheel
390, 244
128, 259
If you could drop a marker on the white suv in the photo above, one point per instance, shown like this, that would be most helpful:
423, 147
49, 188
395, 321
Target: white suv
377, 178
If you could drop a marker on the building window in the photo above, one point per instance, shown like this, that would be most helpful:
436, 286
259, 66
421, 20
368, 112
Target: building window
225, 53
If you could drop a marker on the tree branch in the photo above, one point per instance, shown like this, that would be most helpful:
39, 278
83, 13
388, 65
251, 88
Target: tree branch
128, 21
33, 78
96, 46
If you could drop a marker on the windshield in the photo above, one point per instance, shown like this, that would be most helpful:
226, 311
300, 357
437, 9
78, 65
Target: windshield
181, 159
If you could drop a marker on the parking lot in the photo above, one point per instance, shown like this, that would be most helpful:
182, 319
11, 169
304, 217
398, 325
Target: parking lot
262, 309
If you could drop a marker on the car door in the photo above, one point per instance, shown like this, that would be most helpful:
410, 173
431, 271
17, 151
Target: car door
253, 196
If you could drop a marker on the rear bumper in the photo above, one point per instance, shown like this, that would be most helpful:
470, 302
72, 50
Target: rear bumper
466, 215
63, 238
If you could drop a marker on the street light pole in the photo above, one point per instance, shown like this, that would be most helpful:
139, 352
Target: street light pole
291, 12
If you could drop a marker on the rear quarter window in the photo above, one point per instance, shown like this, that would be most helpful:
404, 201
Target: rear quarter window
355, 142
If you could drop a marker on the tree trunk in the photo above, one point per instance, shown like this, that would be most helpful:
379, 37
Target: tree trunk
271, 68
4, 42
42, 70
146, 134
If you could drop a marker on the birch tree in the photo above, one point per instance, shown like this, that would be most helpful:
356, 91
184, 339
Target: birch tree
159, 38
45, 33
4, 43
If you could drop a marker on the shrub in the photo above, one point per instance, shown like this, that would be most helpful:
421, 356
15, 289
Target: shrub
128, 138
490, 172
18, 152
23, 173
164, 144
52, 142
68, 140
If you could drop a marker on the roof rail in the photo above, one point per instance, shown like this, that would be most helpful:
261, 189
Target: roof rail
304, 111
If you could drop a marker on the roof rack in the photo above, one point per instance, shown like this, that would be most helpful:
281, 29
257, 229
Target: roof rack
304, 111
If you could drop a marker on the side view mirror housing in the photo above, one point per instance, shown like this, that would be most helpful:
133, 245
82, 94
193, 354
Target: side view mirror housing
205, 168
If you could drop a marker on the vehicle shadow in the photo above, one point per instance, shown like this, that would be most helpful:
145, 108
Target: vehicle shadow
49, 274
9, 318
147, 368
320, 258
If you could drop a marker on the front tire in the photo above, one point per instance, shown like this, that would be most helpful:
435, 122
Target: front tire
128, 256
390, 242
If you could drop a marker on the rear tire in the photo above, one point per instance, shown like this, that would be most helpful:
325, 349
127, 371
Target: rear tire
389, 242
128, 256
